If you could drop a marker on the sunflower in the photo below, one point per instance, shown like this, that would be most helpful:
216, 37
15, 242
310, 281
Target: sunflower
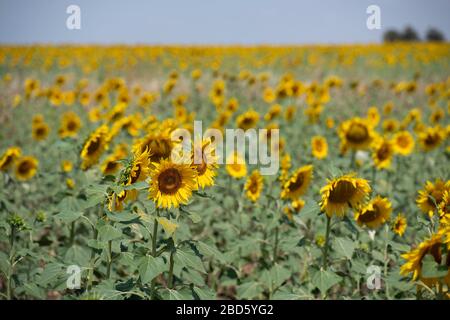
356, 134
110, 165
94, 147
430, 197
66, 166
432, 246
247, 120
444, 205
236, 166
399, 225
116, 201
140, 167
403, 143
8, 157
204, 161
341, 193
172, 184
383, 152
298, 183
159, 142
390, 125
254, 186
70, 183
26, 167
375, 213
319, 147
430, 138
269, 95
70, 124
295, 207
40, 131
373, 116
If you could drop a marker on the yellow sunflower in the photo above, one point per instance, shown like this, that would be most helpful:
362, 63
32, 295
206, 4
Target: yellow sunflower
432, 246
40, 131
298, 183
94, 146
295, 207
375, 213
430, 197
26, 167
66, 166
159, 142
172, 184
444, 205
383, 152
236, 166
247, 120
140, 167
341, 193
319, 147
8, 157
399, 225
403, 143
431, 137
70, 125
356, 134
254, 186
204, 161
285, 165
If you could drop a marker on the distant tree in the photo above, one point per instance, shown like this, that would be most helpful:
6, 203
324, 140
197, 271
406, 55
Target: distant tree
391, 36
409, 34
434, 35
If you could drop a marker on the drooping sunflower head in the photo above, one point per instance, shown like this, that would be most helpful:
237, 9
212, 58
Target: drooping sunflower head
375, 213
204, 161
431, 137
444, 205
382, 152
403, 143
254, 186
430, 197
356, 133
341, 193
236, 166
434, 247
8, 157
26, 168
172, 184
140, 167
298, 183
319, 147
399, 224
94, 146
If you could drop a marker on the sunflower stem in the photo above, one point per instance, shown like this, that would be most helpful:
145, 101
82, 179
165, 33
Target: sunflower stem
275, 247
9, 290
171, 263
386, 260
325, 249
108, 272
72, 233
154, 253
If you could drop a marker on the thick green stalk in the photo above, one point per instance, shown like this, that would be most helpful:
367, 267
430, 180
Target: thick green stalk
325, 249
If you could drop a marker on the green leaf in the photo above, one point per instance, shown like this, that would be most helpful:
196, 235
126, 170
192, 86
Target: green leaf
122, 216
431, 269
150, 267
51, 274
108, 232
77, 255
68, 216
249, 290
324, 280
210, 251
189, 260
344, 247
204, 294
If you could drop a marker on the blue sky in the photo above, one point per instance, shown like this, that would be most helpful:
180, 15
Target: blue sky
214, 21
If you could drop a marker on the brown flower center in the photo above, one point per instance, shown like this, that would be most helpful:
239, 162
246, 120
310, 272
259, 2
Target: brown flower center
357, 133
343, 192
169, 181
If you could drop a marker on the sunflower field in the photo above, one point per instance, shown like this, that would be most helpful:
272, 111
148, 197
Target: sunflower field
92, 205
